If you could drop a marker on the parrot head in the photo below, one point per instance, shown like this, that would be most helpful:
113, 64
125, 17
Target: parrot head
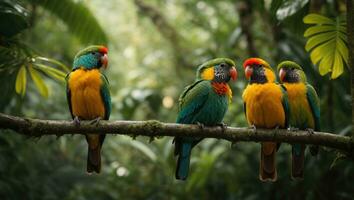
219, 70
291, 72
92, 57
258, 71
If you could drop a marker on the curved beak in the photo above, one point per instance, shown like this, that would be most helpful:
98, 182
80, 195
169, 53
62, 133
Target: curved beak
282, 74
233, 73
104, 61
248, 71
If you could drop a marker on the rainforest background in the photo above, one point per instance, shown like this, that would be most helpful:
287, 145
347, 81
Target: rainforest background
155, 47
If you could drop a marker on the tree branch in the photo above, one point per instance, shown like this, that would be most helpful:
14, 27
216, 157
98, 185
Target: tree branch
37, 127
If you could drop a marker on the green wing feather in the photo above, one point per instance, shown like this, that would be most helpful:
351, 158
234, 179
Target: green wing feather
106, 97
285, 102
314, 104
192, 100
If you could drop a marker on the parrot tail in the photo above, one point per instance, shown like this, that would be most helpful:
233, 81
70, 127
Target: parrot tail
93, 155
183, 160
298, 158
267, 168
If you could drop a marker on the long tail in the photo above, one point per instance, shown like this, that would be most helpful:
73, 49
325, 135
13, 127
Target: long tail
298, 158
183, 160
94, 153
267, 168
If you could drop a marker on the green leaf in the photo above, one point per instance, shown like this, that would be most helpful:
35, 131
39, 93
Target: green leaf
38, 81
319, 39
327, 44
79, 19
337, 65
317, 19
21, 80
50, 71
289, 8
13, 18
318, 29
55, 62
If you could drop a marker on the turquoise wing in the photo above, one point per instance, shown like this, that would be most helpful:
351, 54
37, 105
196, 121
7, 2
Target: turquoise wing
192, 100
106, 96
314, 104
285, 102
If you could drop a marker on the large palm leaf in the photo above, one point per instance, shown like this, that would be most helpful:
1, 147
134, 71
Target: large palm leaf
327, 42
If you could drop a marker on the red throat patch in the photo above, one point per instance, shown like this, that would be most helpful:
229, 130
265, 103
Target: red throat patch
222, 89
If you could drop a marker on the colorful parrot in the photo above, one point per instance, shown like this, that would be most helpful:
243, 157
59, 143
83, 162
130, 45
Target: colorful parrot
304, 109
265, 106
205, 102
89, 97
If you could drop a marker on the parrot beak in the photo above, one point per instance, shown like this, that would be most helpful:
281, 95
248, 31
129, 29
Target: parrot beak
104, 61
248, 71
282, 74
233, 73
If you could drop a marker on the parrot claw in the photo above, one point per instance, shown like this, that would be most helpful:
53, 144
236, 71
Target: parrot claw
293, 129
76, 121
310, 131
200, 125
223, 126
96, 121
253, 127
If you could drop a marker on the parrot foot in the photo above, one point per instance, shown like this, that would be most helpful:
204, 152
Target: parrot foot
313, 149
76, 121
253, 127
95, 121
310, 131
223, 126
200, 125
293, 129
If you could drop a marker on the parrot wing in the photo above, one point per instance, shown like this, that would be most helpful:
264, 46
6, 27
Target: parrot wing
192, 100
314, 104
285, 102
106, 97
68, 94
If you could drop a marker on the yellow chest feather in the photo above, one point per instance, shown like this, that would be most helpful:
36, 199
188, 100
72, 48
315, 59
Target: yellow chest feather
300, 110
264, 106
86, 100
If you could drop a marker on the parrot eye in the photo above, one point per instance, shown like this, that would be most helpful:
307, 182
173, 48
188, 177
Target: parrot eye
222, 65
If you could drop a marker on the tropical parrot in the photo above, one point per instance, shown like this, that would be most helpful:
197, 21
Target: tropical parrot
204, 102
265, 106
304, 109
89, 97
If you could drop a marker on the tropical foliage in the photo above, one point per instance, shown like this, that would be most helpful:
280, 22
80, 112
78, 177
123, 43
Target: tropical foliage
154, 49
327, 43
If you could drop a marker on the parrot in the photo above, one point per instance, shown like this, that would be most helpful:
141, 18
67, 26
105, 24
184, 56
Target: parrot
89, 98
204, 102
304, 109
266, 106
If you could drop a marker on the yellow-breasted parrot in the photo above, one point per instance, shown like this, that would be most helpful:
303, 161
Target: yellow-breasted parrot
89, 98
204, 102
265, 106
304, 109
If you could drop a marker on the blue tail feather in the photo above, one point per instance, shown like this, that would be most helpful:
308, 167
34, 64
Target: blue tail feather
183, 161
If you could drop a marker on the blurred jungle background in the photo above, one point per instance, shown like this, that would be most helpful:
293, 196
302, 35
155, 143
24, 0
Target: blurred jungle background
155, 47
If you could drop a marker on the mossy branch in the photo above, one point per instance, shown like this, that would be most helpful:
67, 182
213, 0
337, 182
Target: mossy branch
151, 128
